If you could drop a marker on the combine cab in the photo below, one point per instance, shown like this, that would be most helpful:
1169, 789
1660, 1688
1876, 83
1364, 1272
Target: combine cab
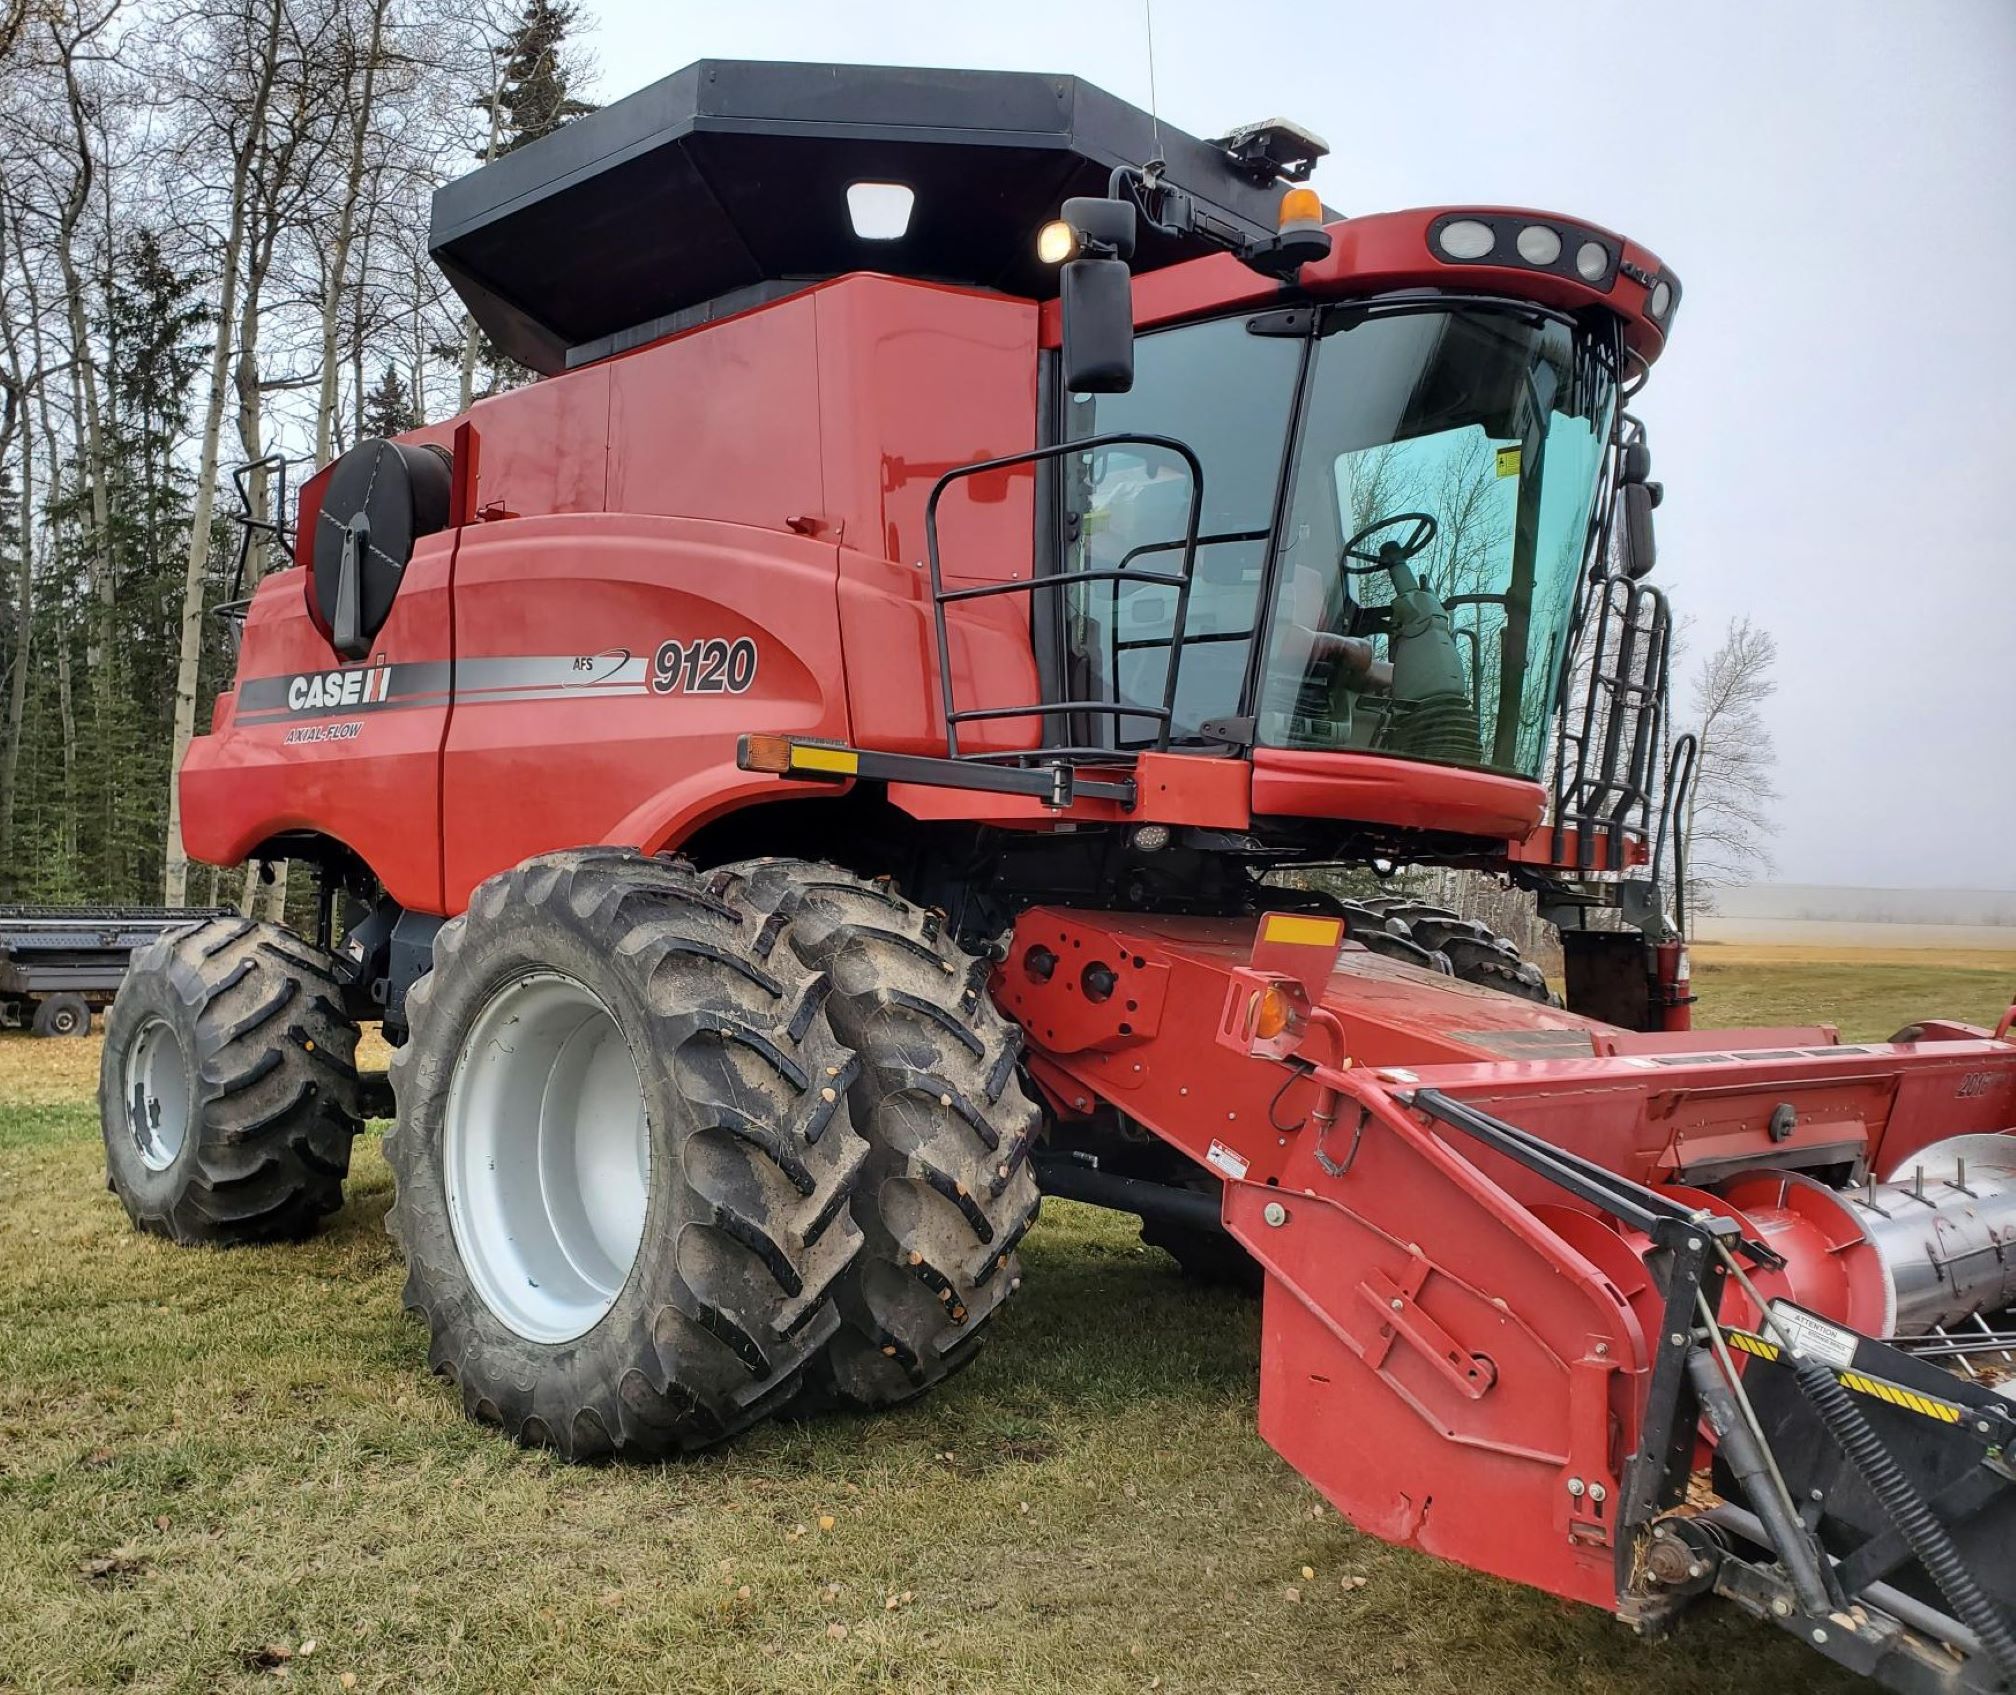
811, 774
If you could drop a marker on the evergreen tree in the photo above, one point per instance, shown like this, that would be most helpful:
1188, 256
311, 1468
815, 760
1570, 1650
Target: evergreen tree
532, 98
93, 788
536, 70
388, 411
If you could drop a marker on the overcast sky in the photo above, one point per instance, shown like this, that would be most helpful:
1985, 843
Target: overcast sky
1835, 419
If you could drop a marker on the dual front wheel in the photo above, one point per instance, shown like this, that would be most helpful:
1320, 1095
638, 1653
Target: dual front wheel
673, 1148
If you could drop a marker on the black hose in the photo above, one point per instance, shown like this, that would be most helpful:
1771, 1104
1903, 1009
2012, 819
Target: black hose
1915, 1521
1192, 1209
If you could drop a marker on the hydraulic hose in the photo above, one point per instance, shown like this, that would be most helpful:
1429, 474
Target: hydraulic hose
1914, 1520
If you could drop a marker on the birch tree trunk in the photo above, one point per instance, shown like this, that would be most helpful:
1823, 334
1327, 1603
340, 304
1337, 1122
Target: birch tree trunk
338, 257
100, 565
66, 839
17, 684
175, 878
19, 383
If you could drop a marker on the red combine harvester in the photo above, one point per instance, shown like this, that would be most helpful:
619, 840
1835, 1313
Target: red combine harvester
809, 774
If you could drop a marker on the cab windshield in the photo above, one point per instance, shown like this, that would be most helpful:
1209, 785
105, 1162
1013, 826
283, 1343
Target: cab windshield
1414, 596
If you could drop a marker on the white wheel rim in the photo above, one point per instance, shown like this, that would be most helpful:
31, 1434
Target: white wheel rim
547, 1157
156, 1076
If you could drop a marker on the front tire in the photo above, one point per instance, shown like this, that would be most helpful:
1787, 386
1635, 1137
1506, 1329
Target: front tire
624, 1157
947, 1192
227, 1091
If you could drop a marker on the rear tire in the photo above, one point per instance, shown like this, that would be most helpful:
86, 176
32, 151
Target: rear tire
571, 1312
947, 1192
1476, 953
227, 1091
63, 1015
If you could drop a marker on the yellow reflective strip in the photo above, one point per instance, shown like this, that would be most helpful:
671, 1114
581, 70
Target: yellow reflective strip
1910, 1399
1302, 932
842, 759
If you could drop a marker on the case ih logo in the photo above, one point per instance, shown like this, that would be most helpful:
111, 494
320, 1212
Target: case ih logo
704, 665
321, 691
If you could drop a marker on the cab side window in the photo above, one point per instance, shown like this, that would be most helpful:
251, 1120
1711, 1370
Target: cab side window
1227, 394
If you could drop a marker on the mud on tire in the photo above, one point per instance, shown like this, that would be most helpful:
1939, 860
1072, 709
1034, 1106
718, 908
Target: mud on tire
741, 1104
947, 1192
227, 1090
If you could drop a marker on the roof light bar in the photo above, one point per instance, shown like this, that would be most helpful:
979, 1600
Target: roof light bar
1540, 244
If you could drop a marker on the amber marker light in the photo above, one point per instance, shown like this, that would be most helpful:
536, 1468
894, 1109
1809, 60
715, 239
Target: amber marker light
1301, 208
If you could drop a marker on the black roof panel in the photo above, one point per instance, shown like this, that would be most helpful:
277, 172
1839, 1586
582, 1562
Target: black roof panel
728, 179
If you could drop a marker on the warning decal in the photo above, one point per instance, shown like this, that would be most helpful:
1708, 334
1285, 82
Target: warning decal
1228, 1160
1814, 1337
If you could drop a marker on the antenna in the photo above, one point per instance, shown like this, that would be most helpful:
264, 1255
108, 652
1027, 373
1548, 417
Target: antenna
1154, 105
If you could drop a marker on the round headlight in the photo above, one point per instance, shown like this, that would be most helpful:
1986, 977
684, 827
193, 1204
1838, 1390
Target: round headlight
1538, 245
1466, 238
1662, 299
1592, 259
1056, 242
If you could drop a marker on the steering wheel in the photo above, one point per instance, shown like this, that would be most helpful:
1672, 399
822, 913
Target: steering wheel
1423, 532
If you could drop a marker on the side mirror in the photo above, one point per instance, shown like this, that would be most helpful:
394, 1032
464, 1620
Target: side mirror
1097, 299
1641, 547
1093, 240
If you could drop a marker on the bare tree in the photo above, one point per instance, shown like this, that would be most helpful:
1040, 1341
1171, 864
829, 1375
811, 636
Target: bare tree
1728, 821
19, 384
281, 155
250, 57
13, 24
362, 65
74, 31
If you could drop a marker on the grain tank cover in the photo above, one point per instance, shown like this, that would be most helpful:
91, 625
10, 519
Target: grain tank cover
727, 183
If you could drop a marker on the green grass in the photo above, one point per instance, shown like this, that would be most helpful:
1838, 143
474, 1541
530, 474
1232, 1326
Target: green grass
1870, 999
210, 1460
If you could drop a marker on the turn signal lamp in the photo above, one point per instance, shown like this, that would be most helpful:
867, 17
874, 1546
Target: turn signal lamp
1268, 1013
765, 753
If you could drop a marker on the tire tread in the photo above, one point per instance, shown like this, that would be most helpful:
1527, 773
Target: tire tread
286, 1096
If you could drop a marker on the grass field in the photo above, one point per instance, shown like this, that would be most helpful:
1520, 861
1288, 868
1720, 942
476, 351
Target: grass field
229, 1470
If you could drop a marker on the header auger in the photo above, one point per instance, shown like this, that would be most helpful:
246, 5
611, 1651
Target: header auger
804, 778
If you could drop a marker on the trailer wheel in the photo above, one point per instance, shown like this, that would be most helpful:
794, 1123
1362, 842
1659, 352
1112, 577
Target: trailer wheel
228, 1087
63, 1015
624, 1157
947, 1192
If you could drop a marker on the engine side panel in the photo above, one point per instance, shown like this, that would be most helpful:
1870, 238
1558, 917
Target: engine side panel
302, 742
605, 667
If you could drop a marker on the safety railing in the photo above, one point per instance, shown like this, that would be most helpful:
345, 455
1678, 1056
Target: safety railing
1048, 710
1613, 723
234, 606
